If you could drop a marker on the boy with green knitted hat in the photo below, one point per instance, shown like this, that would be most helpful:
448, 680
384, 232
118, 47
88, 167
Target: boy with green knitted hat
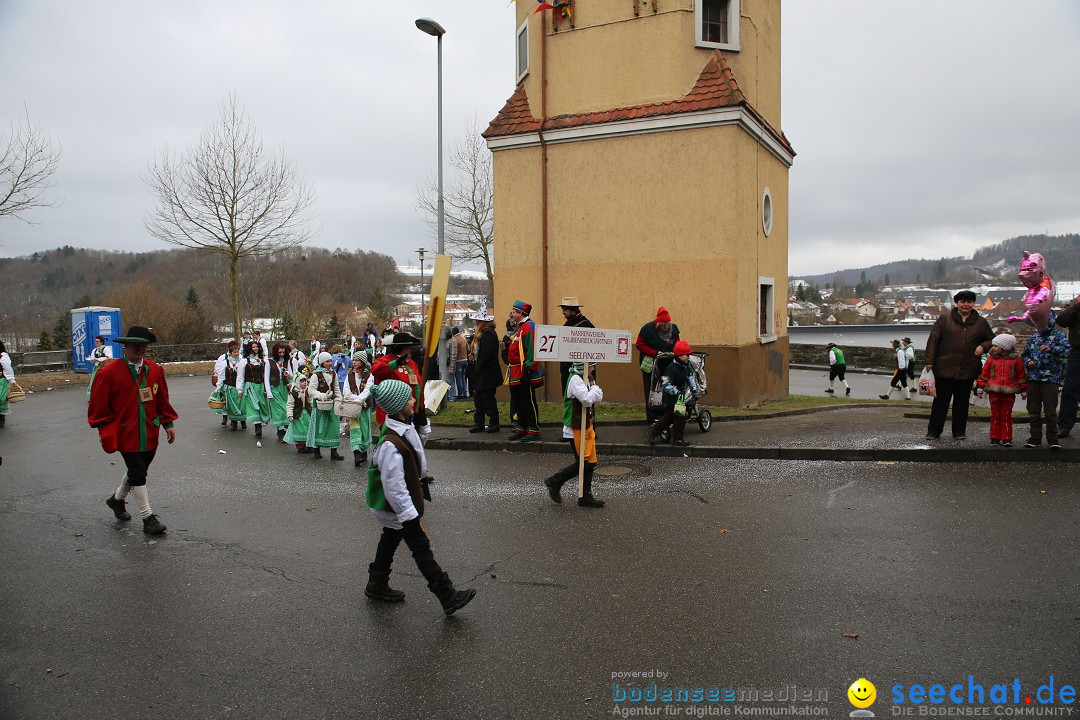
396, 489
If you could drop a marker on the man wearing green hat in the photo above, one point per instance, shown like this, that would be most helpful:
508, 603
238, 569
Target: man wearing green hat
129, 403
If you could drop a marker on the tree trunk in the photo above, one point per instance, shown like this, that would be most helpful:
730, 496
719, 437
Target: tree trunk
234, 282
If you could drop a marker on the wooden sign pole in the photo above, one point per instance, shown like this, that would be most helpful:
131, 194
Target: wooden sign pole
581, 445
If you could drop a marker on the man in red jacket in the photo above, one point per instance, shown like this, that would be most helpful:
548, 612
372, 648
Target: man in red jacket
397, 364
129, 403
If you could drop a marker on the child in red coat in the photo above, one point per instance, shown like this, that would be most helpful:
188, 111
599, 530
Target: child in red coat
1003, 376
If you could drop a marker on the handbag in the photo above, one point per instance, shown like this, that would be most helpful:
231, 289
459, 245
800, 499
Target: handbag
647, 363
680, 406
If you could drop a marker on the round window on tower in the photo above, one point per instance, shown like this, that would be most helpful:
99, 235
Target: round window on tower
766, 212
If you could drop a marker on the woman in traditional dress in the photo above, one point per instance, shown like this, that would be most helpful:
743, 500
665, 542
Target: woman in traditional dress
6, 382
298, 410
101, 354
254, 386
280, 375
323, 431
220, 366
357, 388
227, 384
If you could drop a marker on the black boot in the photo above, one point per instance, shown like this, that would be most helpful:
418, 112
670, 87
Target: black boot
243, 424
587, 499
451, 599
317, 453
477, 428
555, 482
3, 420
493, 429
358, 458
378, 586
224, 419
334, 454
152, 526
281, 435
258, 430
233, 426
118, 507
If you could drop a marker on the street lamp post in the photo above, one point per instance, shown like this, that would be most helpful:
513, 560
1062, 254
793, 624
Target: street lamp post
423, 316
431, 27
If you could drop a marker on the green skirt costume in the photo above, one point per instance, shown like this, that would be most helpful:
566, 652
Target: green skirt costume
4, 386
298, 430
93, 374
234, 404
256, 406
360, 431
278, 403
324, 429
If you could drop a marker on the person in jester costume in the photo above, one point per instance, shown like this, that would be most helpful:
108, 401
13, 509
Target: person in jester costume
129, 404
524, 373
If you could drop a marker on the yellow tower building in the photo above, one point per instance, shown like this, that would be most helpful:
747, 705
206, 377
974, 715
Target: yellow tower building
640, 163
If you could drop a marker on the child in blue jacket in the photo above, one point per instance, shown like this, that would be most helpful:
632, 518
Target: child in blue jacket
1044, 357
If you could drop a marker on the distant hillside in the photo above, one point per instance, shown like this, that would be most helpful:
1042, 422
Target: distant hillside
153, 287
990, 263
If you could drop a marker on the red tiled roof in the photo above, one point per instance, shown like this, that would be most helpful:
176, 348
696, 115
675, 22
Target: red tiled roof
515, 118
715, 88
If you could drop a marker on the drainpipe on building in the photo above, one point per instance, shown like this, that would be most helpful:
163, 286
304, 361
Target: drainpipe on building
543, 177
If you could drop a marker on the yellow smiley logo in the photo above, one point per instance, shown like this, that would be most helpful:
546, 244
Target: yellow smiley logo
862, 693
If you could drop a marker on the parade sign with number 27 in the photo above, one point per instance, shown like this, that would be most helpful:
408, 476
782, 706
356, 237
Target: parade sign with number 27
556, 343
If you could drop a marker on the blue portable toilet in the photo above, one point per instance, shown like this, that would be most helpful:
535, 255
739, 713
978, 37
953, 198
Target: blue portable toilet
86, 324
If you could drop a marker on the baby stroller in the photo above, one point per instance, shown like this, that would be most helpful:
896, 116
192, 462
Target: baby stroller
693, 410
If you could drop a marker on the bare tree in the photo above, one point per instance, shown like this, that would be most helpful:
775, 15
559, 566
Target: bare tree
226, 196
469, 203
27, 163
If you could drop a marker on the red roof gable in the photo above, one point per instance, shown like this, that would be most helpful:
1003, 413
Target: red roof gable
715, 88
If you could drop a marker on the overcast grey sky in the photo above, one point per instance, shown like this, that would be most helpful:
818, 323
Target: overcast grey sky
923, 128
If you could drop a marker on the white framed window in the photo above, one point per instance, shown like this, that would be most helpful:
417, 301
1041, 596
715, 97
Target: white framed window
522, 51
766, 211
717, 23
766, 305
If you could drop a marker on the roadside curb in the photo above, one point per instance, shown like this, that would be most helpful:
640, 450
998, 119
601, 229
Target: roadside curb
937, 455
715, 418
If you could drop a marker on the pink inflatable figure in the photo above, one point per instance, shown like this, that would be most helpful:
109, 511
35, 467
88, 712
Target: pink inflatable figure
1040, 293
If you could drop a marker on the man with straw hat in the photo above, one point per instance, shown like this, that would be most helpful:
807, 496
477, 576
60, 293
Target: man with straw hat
129, 404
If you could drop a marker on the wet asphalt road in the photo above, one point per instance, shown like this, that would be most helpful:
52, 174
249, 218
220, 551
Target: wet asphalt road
251, 605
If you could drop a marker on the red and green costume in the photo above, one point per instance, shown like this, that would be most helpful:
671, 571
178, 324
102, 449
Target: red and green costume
124, 422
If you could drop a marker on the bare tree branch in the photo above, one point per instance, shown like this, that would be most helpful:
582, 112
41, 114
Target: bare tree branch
27, 163
225, 195
468, 203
